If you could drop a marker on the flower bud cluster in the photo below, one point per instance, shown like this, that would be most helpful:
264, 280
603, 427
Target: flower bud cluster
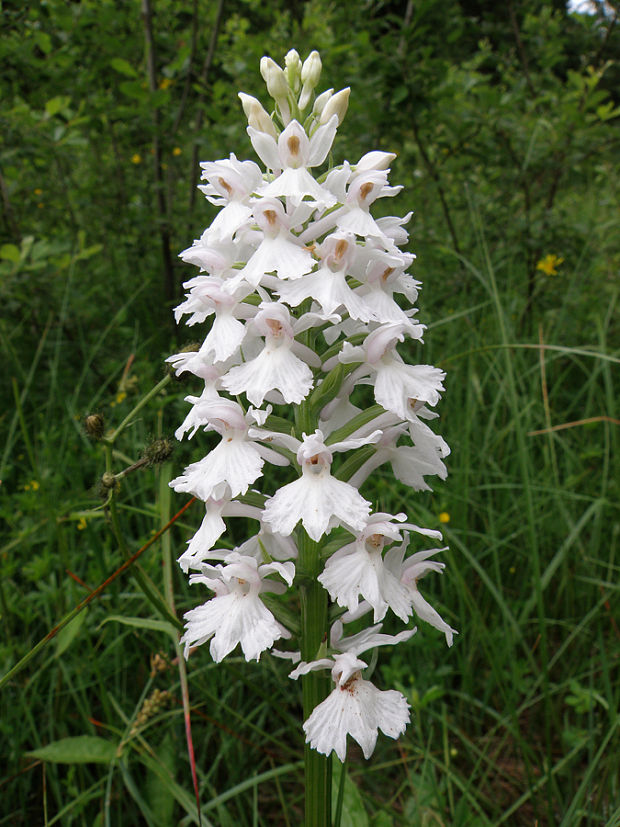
304, 298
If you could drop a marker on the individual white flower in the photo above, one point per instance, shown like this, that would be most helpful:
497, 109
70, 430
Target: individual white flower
383, 276
395, 382
279, 250
336, 105
317, 498
328, 285
369, 638
355, 707
208, 296
237, 461
278, 367
358, 569
363, 190
277, 86
193, 361
236, 614
293, 154
410, 464
231, 183
374, 160
200, 546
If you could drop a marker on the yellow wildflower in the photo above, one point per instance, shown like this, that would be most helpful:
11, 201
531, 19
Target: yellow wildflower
136, 158
38, 191
81, 524
549, 264
120, 397
165, 83
444, 517
33, 485
177, 150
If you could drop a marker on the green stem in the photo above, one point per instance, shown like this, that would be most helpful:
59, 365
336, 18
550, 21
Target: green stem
144, 401
166, 546
315, 686
148, 588
22, 425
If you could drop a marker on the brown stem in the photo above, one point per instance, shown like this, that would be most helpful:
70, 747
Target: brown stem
204, 76
9, 215
432, 171
190, 70
521, 49
162, 207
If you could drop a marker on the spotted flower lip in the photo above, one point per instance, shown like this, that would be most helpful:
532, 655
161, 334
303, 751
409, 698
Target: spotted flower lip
291, 157
317, 499
236, 615
236, 462
355, 707
282, 366
358, 571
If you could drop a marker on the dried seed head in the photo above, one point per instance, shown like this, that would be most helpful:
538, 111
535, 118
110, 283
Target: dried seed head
94, 424
107, 483
158, 451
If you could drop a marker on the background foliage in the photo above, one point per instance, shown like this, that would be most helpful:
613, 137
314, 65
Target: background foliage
505, 120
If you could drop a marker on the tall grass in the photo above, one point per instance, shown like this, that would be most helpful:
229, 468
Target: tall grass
516, 724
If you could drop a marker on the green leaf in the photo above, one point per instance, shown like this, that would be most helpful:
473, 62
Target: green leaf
10, 252
123, 66
353, 810
87, 252
56, 105
68, 633
83, 749
158, 793
381, 819
134, 89
43, 41
400, 94
144, 623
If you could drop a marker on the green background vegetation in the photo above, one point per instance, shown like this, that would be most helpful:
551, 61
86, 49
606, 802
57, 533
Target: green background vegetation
505, 120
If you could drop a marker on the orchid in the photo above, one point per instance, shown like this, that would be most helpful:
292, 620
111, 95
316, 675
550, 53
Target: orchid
303, 298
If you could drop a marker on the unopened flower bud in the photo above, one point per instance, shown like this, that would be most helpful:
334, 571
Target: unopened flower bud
274, 77
319, 103
310, 75
94, 424
311, 70
277, 86
336, 105
257, 117
158, 451
293, 70
375, 160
